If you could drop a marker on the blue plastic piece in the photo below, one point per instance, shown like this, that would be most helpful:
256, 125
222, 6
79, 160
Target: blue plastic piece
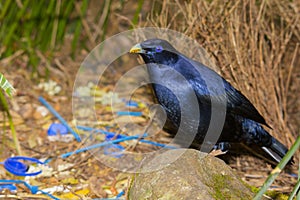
130, 113
120, 194
111, 135
65, 155
62, 120
132, 104
86, 128
56, 129
10, 187
33, 189
18, 168
114, 150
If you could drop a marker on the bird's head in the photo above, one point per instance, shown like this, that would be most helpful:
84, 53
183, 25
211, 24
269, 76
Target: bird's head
156, 50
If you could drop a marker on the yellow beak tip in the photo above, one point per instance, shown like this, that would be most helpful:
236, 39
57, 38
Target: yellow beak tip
136, 49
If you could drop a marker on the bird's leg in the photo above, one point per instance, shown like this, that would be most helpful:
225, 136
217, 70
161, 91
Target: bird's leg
220, 148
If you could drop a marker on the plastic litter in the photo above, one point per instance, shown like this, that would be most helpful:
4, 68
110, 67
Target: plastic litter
59, 132
111, 135
130, 113
18, 168
103, 144
33, 189
86, 128
132, 104
62, 120
11, 187
114, 150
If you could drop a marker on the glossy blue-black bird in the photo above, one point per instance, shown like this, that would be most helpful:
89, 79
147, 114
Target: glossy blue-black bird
191, 94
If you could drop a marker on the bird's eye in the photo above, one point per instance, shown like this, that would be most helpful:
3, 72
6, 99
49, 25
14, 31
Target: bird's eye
158, 49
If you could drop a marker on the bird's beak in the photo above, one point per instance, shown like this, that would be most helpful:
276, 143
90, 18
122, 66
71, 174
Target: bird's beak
137, 49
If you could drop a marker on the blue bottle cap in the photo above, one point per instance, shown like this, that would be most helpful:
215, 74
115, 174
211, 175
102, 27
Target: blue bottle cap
18, 168
57, 129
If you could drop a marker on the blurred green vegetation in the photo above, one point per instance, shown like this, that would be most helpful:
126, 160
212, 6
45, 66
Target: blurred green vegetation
32, 25
35, 26
9, 90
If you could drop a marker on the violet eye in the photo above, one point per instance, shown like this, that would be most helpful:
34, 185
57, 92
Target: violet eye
158, 49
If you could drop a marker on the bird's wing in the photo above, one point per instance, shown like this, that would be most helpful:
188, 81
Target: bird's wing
240, 105
208, 83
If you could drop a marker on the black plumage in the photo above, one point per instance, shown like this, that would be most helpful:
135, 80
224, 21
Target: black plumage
177, 78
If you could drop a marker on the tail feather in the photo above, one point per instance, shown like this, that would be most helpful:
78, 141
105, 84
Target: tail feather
276, 150
256, 136
271, 153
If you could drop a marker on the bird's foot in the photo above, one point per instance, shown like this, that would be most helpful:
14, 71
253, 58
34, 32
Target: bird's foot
220, 149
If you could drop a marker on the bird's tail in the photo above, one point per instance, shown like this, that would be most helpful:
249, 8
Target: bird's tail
276, 150
269, 147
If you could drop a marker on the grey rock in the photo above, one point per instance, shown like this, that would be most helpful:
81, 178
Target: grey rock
194, 175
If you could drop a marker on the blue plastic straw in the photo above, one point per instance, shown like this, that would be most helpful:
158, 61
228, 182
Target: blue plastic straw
130, 113
86, 128
65, 155
33, 189
132, 104
62, 120
120, 194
